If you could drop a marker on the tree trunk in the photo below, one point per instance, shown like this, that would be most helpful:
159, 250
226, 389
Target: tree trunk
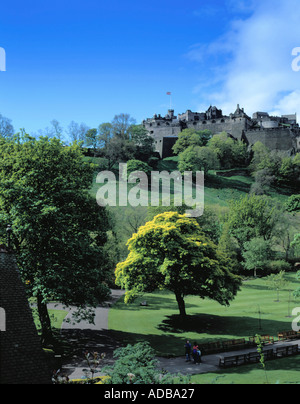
181, 304
47, 335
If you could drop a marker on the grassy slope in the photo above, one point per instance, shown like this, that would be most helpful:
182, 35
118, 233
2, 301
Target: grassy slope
159, 323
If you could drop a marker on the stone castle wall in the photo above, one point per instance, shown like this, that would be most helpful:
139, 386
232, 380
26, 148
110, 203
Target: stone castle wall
279, 139
274, 132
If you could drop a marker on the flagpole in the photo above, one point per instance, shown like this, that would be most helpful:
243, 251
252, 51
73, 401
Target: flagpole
170, 94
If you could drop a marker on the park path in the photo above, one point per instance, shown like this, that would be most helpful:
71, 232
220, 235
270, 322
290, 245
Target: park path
88, 337
97, 337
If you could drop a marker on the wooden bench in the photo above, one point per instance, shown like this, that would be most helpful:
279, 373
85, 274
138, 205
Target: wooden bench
251, 357
234, 344
211, 347
265, 339
228, 361
221, 346
285, 351
282, 336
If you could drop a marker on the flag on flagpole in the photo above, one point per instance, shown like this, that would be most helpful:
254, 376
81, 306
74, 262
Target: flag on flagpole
168, 93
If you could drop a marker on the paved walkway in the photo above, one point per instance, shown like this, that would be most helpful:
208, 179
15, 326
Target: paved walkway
96, 337
210, 363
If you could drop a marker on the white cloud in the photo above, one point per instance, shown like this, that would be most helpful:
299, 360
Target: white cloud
252, 61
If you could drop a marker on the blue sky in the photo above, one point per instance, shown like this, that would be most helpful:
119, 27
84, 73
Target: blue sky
89, 60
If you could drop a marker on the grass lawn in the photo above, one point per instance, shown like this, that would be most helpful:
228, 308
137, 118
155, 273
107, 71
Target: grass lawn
279, 371
253, 311
56, 317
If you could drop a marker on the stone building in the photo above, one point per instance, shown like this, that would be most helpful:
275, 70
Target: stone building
277, 133
22, 360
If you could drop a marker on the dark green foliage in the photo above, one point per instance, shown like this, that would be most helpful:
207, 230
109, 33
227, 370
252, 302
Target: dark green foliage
136, 364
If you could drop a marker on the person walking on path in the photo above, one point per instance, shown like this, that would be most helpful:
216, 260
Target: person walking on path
199, 354
188, 349
195, 353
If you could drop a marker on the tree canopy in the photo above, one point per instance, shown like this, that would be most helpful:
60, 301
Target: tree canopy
191, 137
58, 229
196, 158
171, 252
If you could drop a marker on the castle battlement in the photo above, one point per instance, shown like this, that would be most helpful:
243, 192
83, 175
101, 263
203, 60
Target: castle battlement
238, 125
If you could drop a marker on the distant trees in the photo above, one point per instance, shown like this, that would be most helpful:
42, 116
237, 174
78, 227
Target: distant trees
196, 158
256, 253
293, 204
252, 216
6, 127
190, 137
273, 168
231, 153
201, 150
77, 132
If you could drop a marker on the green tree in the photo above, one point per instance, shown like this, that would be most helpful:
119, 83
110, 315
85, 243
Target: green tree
256, 254
121, 125
105, 134
196, 158
190, 137
119, 150
136, 364
277, 282
293, 204
252, 216
171, 252
91, 138
231, 153
137, 165
58, 229
143, 142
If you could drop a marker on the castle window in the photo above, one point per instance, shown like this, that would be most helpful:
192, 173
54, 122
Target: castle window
213, 121
204, 122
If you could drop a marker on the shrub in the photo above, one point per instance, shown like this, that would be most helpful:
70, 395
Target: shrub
136, 364
278, 266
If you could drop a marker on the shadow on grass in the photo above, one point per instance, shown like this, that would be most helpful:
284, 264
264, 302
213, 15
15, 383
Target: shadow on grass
221, 325
256, 287
217, 182
169, 343
154, 302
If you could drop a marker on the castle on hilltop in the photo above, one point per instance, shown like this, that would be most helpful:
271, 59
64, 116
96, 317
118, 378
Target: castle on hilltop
276, 133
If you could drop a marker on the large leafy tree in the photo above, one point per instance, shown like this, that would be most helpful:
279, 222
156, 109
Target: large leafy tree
198, 159
252, 216
58, 229
256, 253
191, 137
231, 153
171, 252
